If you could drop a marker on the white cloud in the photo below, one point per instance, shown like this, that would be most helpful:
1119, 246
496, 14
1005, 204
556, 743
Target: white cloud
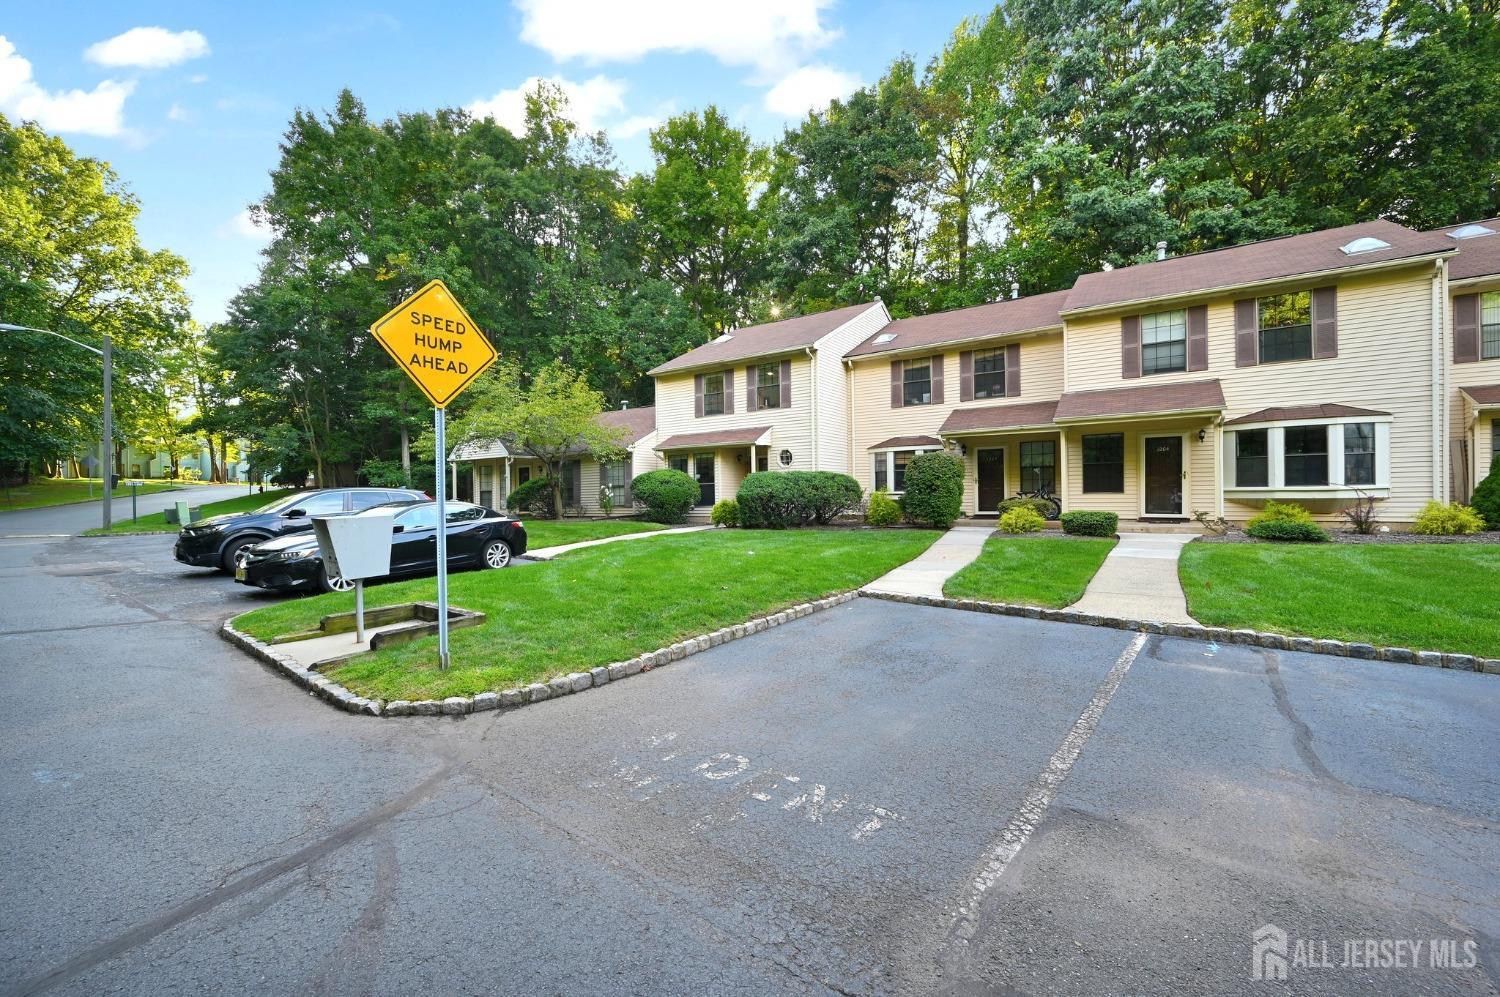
178, 113
148, 48
243, 226
100, 111
810, 88
197, 78
771, 35
635, 125
589, 102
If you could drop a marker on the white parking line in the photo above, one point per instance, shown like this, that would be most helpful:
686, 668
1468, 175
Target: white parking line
1039, 797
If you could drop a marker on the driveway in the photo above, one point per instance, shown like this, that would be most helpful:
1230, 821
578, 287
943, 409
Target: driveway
880, 798
76, 517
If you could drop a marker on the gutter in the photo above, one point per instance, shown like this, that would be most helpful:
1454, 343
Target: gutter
812, 373
1440, 482
849, 411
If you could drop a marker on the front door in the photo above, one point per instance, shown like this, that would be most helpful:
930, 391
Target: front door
991, 479
1163, 475
703, 470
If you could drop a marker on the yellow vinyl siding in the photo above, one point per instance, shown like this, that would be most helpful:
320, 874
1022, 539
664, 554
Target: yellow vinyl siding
1462, 422
791, 428
833, 386
1199, 460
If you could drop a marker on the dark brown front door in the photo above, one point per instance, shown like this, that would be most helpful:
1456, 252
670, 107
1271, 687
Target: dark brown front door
1163, 475
991, 479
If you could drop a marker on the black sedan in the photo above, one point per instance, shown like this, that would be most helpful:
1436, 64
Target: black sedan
216, 542
477, 538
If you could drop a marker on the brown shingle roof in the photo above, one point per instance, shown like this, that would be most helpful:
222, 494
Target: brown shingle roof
1273, 259
1483, 394
1479, 257
764, 340
1288, 413
716, 438
1014, 416
1184, 396
907, 441
637, 422
999, 318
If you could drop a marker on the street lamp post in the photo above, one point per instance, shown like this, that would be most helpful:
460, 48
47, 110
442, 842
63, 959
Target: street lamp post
107, 451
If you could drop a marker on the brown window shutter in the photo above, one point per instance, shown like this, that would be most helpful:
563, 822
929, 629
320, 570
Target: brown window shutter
1325, 322
1130, 346
786, 384
729, 392
1197, 337
966, 376
697, 396
1012, 370
752, 380
937, 379
895, 384
1246, 333
1466, 328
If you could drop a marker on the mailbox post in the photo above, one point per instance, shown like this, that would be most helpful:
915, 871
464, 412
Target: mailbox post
355, 547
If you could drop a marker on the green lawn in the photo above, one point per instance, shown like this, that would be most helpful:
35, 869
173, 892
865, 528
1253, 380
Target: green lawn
552, 532
1035, 571
157, 521
603, 604
43, 492
1429, 597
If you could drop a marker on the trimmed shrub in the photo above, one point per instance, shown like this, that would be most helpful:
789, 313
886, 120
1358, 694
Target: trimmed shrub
1281, 512
883, 510
1085, 523
666, 495
1289, 530
534, 496
1021, 519
1439, 520
935, 488
1039, 506
726, 512
778, 499
1486, 497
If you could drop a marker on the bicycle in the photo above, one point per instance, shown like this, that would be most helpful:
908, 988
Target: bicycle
1054, 507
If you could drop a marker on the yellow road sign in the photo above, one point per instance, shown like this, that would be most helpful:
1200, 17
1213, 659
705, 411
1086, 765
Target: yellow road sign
432, 338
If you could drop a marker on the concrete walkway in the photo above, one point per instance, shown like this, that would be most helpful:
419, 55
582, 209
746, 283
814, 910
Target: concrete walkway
548, 553
926, 573
1138, 580
75, 517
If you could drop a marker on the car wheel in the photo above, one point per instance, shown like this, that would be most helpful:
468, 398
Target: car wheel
496, 554
230, 559
333, 583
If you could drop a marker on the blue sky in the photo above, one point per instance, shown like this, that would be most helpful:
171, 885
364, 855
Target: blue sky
189, 101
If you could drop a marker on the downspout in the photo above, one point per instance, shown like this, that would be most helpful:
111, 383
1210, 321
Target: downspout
849, 413
812, 372
1219, 467
1439, 395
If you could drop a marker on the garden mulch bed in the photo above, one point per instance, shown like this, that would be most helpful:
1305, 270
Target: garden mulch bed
1235, 536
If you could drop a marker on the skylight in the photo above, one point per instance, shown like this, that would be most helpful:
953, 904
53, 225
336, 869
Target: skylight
884, 337
1471, 232
1368, 244
726, 337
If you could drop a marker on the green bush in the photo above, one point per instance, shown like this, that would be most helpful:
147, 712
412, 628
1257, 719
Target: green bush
935, 488
1291, 530
1486, 498
1039, 506
1021, 519
1281, 512
666, 495
1439, 520
379, 472
778, 499
726, 512
534, 496
883, 510
1086, 523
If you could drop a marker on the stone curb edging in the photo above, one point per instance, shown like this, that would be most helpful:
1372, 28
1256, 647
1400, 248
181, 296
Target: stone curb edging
563, 685
1193, 631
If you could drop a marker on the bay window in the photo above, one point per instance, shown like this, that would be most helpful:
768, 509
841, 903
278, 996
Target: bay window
1359, 453
1329, 458
888, 468
1305, 455
1252, 458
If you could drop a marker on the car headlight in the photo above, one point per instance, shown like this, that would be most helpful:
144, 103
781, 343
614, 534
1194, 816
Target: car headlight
295, 555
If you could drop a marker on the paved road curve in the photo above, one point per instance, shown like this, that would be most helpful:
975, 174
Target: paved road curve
876, 799
77, 517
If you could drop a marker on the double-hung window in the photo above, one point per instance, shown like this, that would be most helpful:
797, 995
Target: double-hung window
713, 394
1104, 463
1489, 325
615, 478
899, 460
1285, 326
1304, 455
1164, 342
768, 385
989, 373
1252, 458
1359, 453
916, 382
1039, 466
880, 477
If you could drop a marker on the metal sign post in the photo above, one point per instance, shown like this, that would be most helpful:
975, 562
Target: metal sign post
440, 418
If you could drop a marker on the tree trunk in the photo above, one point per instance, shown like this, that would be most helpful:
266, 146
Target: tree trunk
224, 457
406, 455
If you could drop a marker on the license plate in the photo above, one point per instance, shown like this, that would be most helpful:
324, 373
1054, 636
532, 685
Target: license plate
239, 573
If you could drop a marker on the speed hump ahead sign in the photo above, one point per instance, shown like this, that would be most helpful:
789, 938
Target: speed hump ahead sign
432, 338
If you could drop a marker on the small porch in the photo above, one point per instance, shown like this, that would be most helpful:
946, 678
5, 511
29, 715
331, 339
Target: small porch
1006, 449
719, 461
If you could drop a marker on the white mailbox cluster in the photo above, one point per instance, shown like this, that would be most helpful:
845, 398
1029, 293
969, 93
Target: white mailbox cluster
357, 545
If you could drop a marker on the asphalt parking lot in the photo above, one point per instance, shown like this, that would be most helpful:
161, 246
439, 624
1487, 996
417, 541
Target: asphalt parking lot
880, 798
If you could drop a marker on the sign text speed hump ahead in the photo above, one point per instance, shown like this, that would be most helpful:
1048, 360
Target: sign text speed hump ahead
433, 339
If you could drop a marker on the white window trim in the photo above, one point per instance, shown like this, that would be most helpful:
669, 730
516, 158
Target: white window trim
1276, 465
890, 465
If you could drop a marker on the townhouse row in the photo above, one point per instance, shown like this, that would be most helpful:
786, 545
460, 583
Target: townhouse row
1361, 360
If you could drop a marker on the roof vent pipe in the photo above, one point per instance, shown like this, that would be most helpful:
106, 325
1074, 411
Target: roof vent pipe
1161, 250
1015, 289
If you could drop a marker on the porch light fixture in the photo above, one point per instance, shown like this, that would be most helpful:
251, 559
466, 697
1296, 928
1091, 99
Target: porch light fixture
1202, 435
